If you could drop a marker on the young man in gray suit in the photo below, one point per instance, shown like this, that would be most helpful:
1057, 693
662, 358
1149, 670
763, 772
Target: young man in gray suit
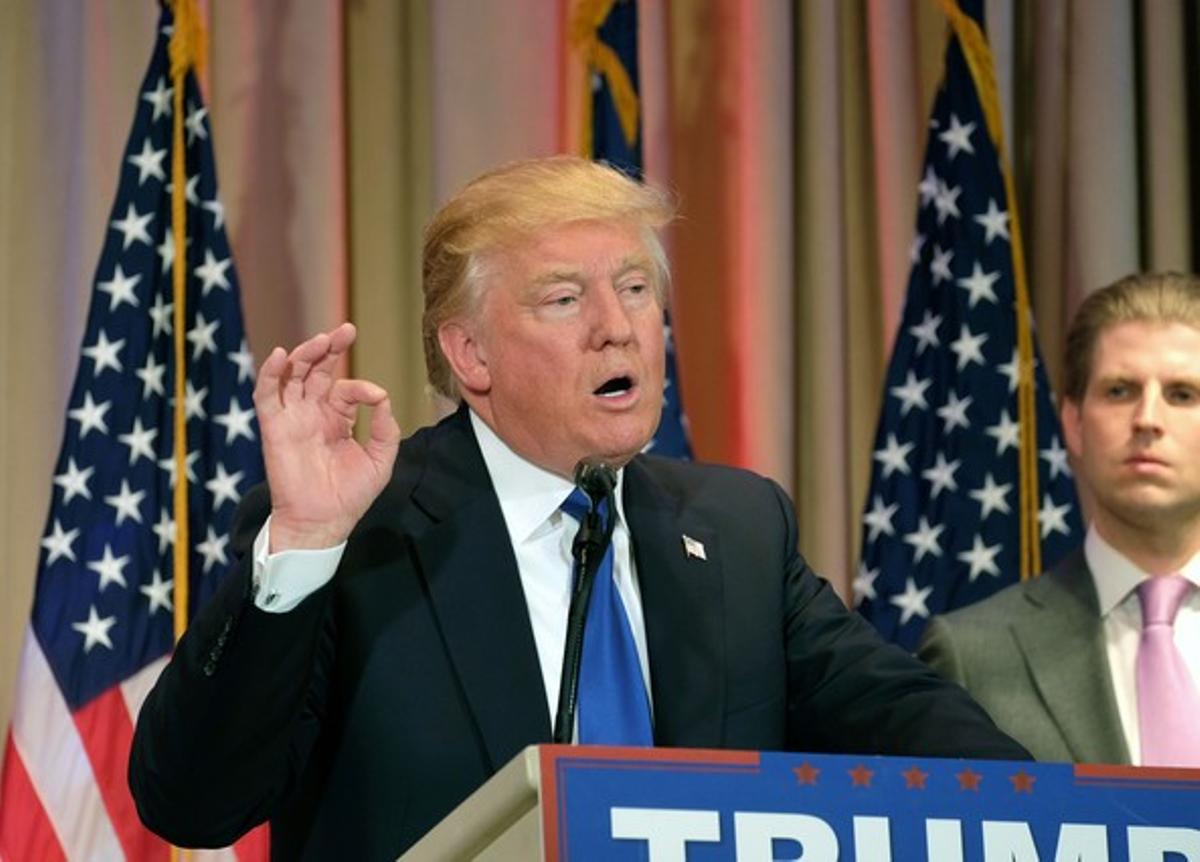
1064, 662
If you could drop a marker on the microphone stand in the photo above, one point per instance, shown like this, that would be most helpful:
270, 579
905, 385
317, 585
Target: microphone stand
588, 549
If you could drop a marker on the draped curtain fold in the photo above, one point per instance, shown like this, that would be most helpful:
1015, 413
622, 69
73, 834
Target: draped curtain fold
791, 133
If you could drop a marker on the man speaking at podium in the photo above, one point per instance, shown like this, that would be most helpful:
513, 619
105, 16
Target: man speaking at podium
395, 630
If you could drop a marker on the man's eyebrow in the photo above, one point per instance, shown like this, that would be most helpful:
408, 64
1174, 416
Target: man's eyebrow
575, 276
554, 276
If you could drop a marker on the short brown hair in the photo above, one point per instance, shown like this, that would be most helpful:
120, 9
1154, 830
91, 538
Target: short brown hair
1153, 297
508, 205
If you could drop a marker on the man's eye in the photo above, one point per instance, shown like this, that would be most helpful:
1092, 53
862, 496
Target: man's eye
1181, 395
1116, 390
564, 300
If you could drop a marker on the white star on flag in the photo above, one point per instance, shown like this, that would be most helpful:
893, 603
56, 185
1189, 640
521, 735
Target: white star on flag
151, 375
994, 221
244, 362
236, 422
74, 482
120, 288
105, 354
924, 540
980, 285
992, 497
957, 138
941, 476
1007, 432
164, 528
954, 412
914, 250
946, 202
160, 314
149, 163
894, 456
968, 348
911, 602
59, 543
158, 592
202, 336
90, 416
223, 486
126, 502
926, 331
981, 558
911, 394
1012, 370
195, 123
212, 549
95, 630
939, 267
133, 227
1056, 457
168, 464
218, 212
1053, 518
879, 519
212, 272
928, 187
110, 568
864, 584
140, 441
160, 98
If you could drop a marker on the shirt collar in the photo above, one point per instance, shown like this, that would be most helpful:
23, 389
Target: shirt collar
1116, 576
529, 495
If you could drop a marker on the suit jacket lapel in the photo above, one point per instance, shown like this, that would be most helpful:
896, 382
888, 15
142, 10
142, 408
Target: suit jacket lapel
467, 561
682, 604
1062, 640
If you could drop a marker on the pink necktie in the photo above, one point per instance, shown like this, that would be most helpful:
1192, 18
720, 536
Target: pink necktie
1168, 703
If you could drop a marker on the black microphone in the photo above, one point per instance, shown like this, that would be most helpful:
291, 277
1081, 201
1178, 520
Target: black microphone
597, 480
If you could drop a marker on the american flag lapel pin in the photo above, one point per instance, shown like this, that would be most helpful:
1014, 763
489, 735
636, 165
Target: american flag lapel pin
693, 548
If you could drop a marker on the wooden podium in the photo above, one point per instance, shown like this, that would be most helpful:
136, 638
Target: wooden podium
582, 803
499, 821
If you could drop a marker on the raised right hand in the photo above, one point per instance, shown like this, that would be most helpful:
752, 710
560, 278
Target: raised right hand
322, 480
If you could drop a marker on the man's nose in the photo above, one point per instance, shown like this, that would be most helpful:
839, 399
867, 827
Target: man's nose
611, 323
1147, 417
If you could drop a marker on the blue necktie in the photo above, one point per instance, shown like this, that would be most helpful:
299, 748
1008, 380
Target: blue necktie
613, 707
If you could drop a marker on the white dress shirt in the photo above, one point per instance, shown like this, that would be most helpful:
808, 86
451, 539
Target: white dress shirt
1116, 580
541, 537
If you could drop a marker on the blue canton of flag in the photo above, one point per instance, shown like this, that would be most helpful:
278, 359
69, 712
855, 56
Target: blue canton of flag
619, 32
102, 622
940, 528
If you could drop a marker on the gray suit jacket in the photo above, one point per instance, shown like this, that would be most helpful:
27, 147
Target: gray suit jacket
1033, 655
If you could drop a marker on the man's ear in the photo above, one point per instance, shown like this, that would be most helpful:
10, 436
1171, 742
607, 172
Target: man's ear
1072, 425
467, 357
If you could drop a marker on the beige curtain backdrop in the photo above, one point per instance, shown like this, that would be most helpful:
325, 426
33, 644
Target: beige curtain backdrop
792, 133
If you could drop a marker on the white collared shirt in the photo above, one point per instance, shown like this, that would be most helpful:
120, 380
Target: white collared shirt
541, 537
1116, 580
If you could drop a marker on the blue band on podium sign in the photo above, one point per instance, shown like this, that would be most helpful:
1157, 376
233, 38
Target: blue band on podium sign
617, 804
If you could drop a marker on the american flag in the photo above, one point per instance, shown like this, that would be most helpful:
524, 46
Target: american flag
102, 622
609, 143
940, 527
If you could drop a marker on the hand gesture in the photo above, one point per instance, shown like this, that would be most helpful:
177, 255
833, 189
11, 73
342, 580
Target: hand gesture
322, 480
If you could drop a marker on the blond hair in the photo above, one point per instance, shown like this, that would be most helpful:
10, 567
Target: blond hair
1155, 297
510, 204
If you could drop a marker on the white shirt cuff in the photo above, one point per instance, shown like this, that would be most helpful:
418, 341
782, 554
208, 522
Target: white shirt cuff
285, 579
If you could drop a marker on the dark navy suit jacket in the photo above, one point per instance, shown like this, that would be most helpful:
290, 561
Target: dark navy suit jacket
359, 719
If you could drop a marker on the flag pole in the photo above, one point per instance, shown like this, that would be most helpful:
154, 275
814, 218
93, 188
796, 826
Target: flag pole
186, 51
979, 61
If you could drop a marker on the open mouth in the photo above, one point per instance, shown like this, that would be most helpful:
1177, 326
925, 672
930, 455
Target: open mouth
614, 387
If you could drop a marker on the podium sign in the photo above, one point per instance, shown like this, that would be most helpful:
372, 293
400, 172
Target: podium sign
613, 804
